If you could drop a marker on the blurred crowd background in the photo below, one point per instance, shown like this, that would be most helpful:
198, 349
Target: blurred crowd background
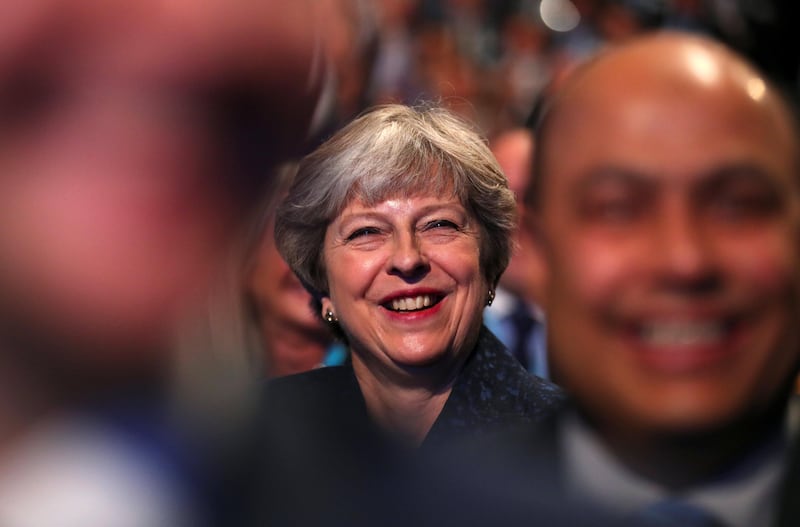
491, 60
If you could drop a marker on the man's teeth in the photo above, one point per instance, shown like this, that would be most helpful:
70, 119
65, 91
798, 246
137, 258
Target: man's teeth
411, 303
682, 333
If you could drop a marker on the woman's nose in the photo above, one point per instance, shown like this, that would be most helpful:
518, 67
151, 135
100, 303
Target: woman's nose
408, 258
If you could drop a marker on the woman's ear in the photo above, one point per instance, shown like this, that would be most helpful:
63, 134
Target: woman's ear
328, 312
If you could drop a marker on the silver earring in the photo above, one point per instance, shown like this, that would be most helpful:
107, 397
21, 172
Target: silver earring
491, 297
330, 318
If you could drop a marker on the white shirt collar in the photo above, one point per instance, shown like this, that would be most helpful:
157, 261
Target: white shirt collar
595, 475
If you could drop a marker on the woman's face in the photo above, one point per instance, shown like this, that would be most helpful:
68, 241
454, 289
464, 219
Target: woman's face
405, 279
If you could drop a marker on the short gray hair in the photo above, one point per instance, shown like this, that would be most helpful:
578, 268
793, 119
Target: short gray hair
391, 151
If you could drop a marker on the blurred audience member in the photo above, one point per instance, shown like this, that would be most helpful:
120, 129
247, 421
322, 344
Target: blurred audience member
516, 317
292, 337
126, 172
393, 77
472, 25
445, 72
667, 207
618, 22
525, 62
349, 39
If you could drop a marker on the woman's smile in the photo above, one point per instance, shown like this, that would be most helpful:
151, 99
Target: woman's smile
405, 278
412, 301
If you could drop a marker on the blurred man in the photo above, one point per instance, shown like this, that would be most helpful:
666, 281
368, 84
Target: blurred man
133, 137
515, 316
667, 206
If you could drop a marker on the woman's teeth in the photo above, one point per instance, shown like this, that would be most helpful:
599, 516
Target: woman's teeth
411, 303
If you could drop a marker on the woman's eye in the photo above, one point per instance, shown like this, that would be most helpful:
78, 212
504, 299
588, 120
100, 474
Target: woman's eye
442, 224
364, 231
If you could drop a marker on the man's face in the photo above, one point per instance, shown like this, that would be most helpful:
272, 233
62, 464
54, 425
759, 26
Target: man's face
514, 154
671, 239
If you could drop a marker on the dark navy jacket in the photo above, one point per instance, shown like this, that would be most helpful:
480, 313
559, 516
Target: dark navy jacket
327, 463
492, 391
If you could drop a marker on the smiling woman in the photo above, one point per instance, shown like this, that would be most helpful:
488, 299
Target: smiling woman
413, 217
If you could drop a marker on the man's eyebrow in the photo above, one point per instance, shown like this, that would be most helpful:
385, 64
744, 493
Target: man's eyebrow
739, 172
744, 178
611, 174
744, 171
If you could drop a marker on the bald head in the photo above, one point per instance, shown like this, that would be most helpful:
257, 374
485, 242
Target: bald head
668, 221
667, 69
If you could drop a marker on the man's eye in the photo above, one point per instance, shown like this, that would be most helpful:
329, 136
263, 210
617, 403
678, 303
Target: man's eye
614, 210
364, 231
746, 205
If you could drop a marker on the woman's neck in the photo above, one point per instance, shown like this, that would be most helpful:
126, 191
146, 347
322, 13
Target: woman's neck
406, 410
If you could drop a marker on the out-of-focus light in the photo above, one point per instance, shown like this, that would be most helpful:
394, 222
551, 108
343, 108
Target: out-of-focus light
756, 88
703, 65
559, 15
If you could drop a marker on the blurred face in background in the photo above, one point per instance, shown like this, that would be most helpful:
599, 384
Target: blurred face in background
280, 297
669, 212
514, 153
117, 199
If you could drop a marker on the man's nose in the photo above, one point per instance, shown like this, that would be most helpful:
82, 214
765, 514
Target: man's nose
683, 252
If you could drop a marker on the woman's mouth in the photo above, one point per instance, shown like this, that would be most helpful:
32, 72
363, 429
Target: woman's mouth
412, 303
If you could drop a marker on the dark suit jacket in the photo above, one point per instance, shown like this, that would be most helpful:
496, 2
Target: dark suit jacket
327, 458
530, 461
491, 392
788, 513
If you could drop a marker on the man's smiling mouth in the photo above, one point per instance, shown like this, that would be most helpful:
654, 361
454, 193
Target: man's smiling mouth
679, 334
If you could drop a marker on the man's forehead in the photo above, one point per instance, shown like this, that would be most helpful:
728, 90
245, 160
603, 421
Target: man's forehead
675, 145
669, 62
669, 71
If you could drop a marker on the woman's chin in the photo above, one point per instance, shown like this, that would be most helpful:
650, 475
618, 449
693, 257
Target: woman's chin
420, 358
